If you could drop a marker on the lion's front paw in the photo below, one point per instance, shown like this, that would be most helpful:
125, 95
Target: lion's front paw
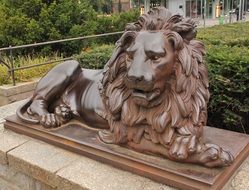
63, 111
106, 136
183, 146
215, 156
49, 120
61, 115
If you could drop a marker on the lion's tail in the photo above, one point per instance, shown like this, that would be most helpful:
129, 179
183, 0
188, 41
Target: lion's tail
22, 109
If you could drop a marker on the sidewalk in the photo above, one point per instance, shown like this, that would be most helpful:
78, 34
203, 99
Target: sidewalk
212, 22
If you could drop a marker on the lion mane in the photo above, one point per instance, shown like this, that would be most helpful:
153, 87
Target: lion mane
183, 108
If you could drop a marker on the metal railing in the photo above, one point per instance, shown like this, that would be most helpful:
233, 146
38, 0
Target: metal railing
11, 65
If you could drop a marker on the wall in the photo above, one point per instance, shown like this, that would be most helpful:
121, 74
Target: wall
9, 93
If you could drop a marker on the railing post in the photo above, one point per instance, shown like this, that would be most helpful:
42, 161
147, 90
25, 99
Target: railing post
12, 67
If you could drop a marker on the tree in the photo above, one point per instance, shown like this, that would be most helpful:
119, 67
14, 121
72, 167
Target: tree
29, 21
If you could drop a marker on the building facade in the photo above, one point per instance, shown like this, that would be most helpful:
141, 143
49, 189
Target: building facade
121, 5
199, 8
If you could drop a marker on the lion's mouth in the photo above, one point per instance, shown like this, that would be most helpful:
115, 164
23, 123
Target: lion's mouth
148, 95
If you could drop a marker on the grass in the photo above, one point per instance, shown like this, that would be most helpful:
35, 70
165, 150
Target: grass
26, 74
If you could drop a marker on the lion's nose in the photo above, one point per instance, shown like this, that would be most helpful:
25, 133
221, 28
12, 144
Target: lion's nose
139, 76
139, 81
136, 79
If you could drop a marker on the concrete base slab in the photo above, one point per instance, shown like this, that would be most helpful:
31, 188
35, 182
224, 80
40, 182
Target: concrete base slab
79, 138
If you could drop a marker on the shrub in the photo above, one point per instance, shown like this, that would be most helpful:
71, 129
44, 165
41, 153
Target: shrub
27, 74
229, 79
235, 34
95, 58
91, 58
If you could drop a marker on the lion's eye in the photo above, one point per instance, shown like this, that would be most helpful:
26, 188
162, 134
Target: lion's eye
154, 57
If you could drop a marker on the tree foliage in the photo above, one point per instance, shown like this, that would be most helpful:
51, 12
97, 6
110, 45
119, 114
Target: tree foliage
102, 6
28, 21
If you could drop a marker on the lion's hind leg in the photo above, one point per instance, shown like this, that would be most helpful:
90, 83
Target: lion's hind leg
49, 90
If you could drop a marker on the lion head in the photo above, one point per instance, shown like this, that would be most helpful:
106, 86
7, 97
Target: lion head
156, 83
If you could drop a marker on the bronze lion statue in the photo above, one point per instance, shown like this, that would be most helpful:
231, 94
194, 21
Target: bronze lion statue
151, 96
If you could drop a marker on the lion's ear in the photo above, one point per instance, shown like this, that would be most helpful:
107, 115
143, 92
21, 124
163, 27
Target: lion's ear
175, 39
186, 28
127, 38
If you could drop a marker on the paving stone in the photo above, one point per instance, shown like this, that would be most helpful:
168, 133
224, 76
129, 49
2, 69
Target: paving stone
246, 165
2, 121
8, 141
40, 160
88, 174
41, 186
5, 185
14, 179
9, 109
1, 127
241, 181
149, 185
11, 179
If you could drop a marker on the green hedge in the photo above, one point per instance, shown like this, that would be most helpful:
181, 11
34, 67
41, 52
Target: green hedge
95, 58
235, 34
228, 62
229, 87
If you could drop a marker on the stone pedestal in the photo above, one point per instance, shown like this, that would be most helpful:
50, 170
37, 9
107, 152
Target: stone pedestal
79, 138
